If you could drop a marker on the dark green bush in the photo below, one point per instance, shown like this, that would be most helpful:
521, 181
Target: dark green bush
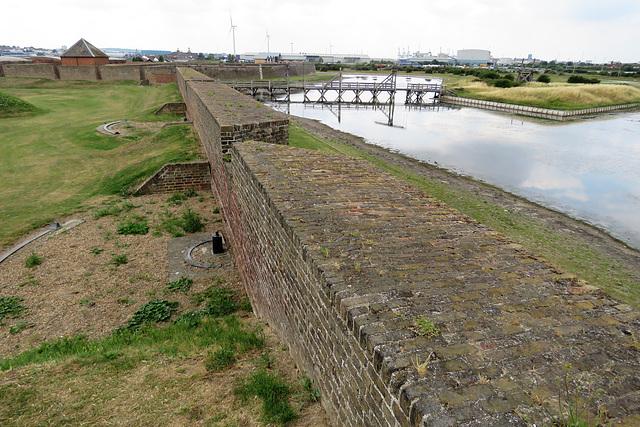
582, 79
543, 78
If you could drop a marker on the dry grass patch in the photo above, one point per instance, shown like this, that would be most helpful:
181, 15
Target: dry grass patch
556, 95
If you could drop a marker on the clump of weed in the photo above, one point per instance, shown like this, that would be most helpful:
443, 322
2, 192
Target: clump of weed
191, 221
425, 327
274, 392
114, 209
33, 260
153, 311
220, 359
118, 260
136, 226
310, 393
20, 326
183, 284
96, 251
11, 306
178, 197
171, 224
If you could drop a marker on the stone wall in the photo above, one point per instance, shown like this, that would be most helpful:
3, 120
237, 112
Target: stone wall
120, 72
40, 71
153, 73
253, 71
226, 116
402, 310
174, 177
78, 72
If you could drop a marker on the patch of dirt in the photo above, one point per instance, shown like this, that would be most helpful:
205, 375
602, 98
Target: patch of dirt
79, 290
596, 239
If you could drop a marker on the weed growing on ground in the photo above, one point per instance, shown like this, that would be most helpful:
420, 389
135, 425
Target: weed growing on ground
11, 306
425, 327
574, 409
191, 221
96, 251
183, 284
311, 394
137, 226
274, 393
20, 326
33, 260
153, 311
114, 209
118, 260
220, 359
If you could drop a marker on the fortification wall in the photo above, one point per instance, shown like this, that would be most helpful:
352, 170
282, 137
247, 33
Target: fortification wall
154, 73
40, 71
401, 309
253, 71
178, 177
159, 74
120, 72
78, 72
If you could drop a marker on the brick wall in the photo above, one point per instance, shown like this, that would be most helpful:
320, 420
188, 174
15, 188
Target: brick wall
343, 259
78, 72
41, 71
178, 177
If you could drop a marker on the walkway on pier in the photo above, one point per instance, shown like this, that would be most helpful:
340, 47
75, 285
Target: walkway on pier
337, 90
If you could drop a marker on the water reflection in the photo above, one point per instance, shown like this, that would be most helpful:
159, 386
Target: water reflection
589, 169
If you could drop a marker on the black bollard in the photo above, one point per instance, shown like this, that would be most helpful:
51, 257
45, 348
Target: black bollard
217, 243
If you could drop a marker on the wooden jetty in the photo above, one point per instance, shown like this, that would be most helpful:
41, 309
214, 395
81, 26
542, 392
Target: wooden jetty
339, 91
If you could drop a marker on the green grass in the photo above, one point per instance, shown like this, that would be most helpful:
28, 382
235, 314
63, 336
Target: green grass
53, 163
569, 253
12, 106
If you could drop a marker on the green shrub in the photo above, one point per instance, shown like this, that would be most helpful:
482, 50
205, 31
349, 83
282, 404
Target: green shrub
543, 78
582, 79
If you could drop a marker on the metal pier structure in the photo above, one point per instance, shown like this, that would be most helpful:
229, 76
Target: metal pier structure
338, 91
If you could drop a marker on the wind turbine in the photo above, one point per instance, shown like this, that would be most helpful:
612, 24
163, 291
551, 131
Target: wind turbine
233, 29
267, 39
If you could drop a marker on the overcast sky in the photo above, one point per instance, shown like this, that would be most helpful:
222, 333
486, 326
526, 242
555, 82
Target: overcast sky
596, 30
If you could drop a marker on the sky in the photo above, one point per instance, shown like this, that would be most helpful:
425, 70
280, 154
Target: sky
562, 30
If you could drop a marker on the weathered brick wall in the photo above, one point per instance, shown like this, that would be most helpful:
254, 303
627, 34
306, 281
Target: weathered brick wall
253, 71
225, 116
160, 74
120, 72
174, 177
78, 72
40, 71
343, 259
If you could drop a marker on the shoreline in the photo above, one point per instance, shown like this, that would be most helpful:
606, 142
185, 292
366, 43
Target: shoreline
588, 243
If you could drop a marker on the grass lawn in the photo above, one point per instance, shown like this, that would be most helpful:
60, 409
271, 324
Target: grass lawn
53, 162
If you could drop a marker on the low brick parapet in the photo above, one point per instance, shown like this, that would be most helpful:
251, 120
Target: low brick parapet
343, 260
180, 177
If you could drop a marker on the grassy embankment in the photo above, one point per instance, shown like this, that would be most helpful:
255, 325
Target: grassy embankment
53, 162
569, 253
559, 96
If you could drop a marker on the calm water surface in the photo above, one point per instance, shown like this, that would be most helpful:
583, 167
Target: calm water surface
589, 169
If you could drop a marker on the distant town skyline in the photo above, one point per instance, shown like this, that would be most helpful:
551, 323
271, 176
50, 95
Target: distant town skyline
566, 30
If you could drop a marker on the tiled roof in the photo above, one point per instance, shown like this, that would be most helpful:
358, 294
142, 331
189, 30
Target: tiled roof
84, 49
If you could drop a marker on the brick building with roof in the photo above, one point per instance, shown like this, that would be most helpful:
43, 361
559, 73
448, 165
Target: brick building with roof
84, 53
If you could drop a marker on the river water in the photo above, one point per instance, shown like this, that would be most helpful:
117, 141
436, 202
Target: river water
588, 169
